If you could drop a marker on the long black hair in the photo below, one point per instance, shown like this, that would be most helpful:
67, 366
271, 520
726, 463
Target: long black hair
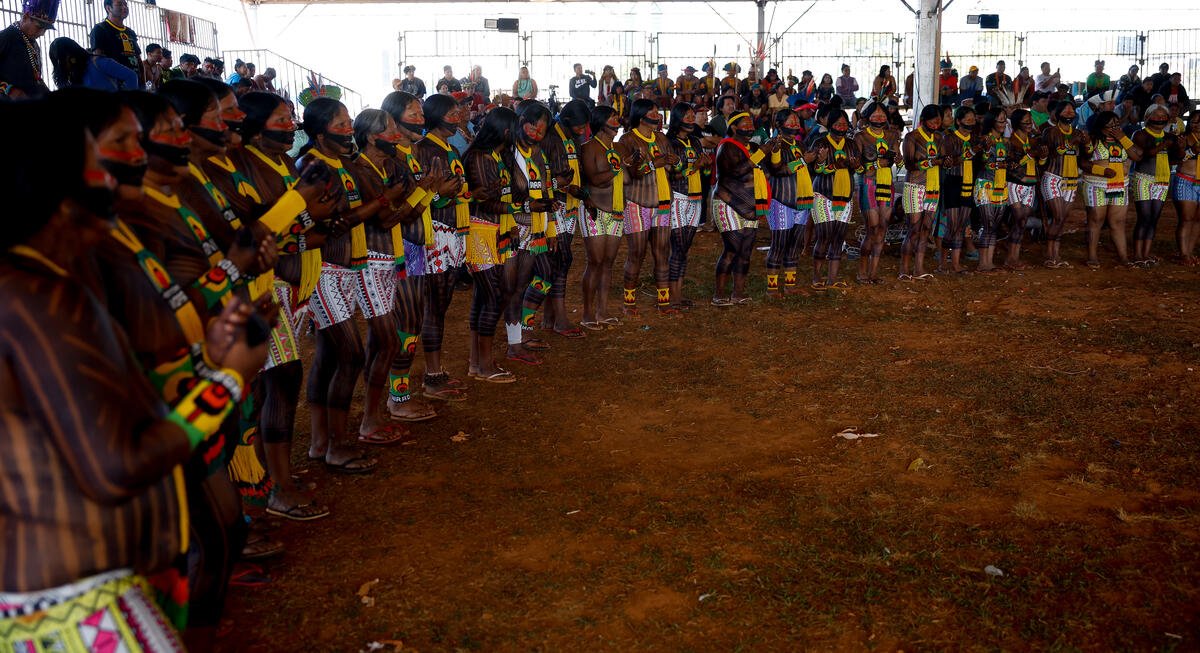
1060, 107
990, 120
98, 109
436, 107
498, 128
929, 112
147, 107
600, 116
397, 102
258, 107
870, 108
781, 116
573, 114
368, 123
70, 62
678, 112
638, 110
318, 115
45, 145
218, 87
963, 112
1097, 122
190, 99
1016, 118
530, 112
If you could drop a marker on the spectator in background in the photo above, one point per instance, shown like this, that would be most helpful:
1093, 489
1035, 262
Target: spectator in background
825, 88
477, 82
777, 100
525, 88
1129, 80
412, 84
1039, 108
1159, 78
908, 90
1045, 82
151, 70
580, 86
1173, 92
165, 64
1142, 96
265, 81
20, 55
74, 66
998, 85
1022, 88
884, 87
610, 85
114, 40
970, 86
847, 86
1098, 82
806, 90
189, 67
947, 84
448, 83
465, 133
240, 71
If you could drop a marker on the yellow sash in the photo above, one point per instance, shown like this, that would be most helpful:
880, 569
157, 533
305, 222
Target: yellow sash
573, 161
462, 207
691, 173
618, 188
660, 172
933, 182
968, 165
358, 233
414, 166
1070, 157
1162, 164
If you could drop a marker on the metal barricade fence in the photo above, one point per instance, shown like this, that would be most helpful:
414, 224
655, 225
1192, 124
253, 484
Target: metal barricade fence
290, 77
499, 54
1178, 47
550, 56
175, 31
825, 52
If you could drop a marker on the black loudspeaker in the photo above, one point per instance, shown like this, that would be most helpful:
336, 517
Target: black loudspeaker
989, 21
508, 24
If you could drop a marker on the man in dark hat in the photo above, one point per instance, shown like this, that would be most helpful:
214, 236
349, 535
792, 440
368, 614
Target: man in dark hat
20, 55
189, 66
114, 40
412, 84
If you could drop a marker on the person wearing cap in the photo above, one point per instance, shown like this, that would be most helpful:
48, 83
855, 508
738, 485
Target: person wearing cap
114, 40
1098, 82
448, 83
947, 83
729, 83
998, 85
664, 88
20, 55
847, 86
970, 86
687, 87
189, 67
580, 86
412, 84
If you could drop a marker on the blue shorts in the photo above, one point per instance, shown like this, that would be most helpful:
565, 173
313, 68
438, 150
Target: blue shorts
1184, 188
781, 217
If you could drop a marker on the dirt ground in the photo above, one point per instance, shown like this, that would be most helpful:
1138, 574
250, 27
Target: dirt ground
676, 484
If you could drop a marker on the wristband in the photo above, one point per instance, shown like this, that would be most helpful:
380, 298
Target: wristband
383, 201
1125, 142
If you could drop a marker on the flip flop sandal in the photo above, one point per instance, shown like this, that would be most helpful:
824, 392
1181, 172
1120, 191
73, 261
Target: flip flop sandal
591, 326
924, 277
625, 310
875, 281
251, 576
503, 376
573, 334
861, 281
533, 344
528, 359
416, 418
964, 272
839, 285
1063, 264
669, 311
988, 272
345, 468
685, 303
722, 301
1093, 265
818, 286
262, 549
743, 300
904, 277
296, 513
452, 395
398, 434
611, 321
1049, 265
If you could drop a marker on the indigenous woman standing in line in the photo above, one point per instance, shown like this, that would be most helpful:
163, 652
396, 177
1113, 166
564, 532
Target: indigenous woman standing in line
268, 131
791, 202
1065, 145
991, 185
1104, 184
923, 156
405, 110
685, 195
960, 145
879, 145
647, 204
1151, 178
376, 168
450, 220
603, 219
836, 158
489, 166
1185, 192
339, 358
1026, 152
562, 150
526, 275
741, 197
